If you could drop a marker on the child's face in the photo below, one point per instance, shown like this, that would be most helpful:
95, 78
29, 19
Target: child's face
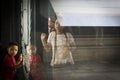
12, 50
31, 49
57, 25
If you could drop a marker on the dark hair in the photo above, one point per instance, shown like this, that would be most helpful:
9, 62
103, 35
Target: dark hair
12, 44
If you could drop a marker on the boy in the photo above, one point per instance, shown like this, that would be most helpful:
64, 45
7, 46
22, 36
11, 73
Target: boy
10, 64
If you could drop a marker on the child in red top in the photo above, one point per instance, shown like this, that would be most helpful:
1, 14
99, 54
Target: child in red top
10, 65
36, 66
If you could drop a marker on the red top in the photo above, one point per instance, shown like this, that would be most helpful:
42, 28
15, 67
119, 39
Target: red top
36, 68
8, 72
35, 60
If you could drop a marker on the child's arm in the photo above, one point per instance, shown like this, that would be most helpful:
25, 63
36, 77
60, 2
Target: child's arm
72, 42
20, 62
46, 45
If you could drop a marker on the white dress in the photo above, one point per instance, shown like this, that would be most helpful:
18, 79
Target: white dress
59, 46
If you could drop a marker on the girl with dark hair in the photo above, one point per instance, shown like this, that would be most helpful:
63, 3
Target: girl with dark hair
62, 44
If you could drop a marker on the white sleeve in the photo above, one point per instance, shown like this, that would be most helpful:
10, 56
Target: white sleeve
70, 38
72, 44
50, 37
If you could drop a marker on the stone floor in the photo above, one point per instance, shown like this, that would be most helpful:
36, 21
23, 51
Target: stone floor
84, 70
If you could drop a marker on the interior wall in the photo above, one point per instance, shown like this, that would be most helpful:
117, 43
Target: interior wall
10, 21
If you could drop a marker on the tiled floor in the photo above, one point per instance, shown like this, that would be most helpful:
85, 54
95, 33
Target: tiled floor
85, 71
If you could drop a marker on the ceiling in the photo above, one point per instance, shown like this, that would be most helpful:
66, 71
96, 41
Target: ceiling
88, 12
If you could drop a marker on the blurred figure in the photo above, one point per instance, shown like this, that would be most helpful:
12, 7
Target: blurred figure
99, 36
62, 44
50, 25
10, 65
36, 66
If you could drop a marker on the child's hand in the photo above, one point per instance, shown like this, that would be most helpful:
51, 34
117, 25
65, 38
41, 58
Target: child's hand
23, 60
43, 36
20, 57
20, 61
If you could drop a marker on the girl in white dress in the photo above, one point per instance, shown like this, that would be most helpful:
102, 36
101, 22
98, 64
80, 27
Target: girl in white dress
62, 45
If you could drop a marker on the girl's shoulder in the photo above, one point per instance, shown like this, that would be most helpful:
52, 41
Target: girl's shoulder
68, 34
52, 33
